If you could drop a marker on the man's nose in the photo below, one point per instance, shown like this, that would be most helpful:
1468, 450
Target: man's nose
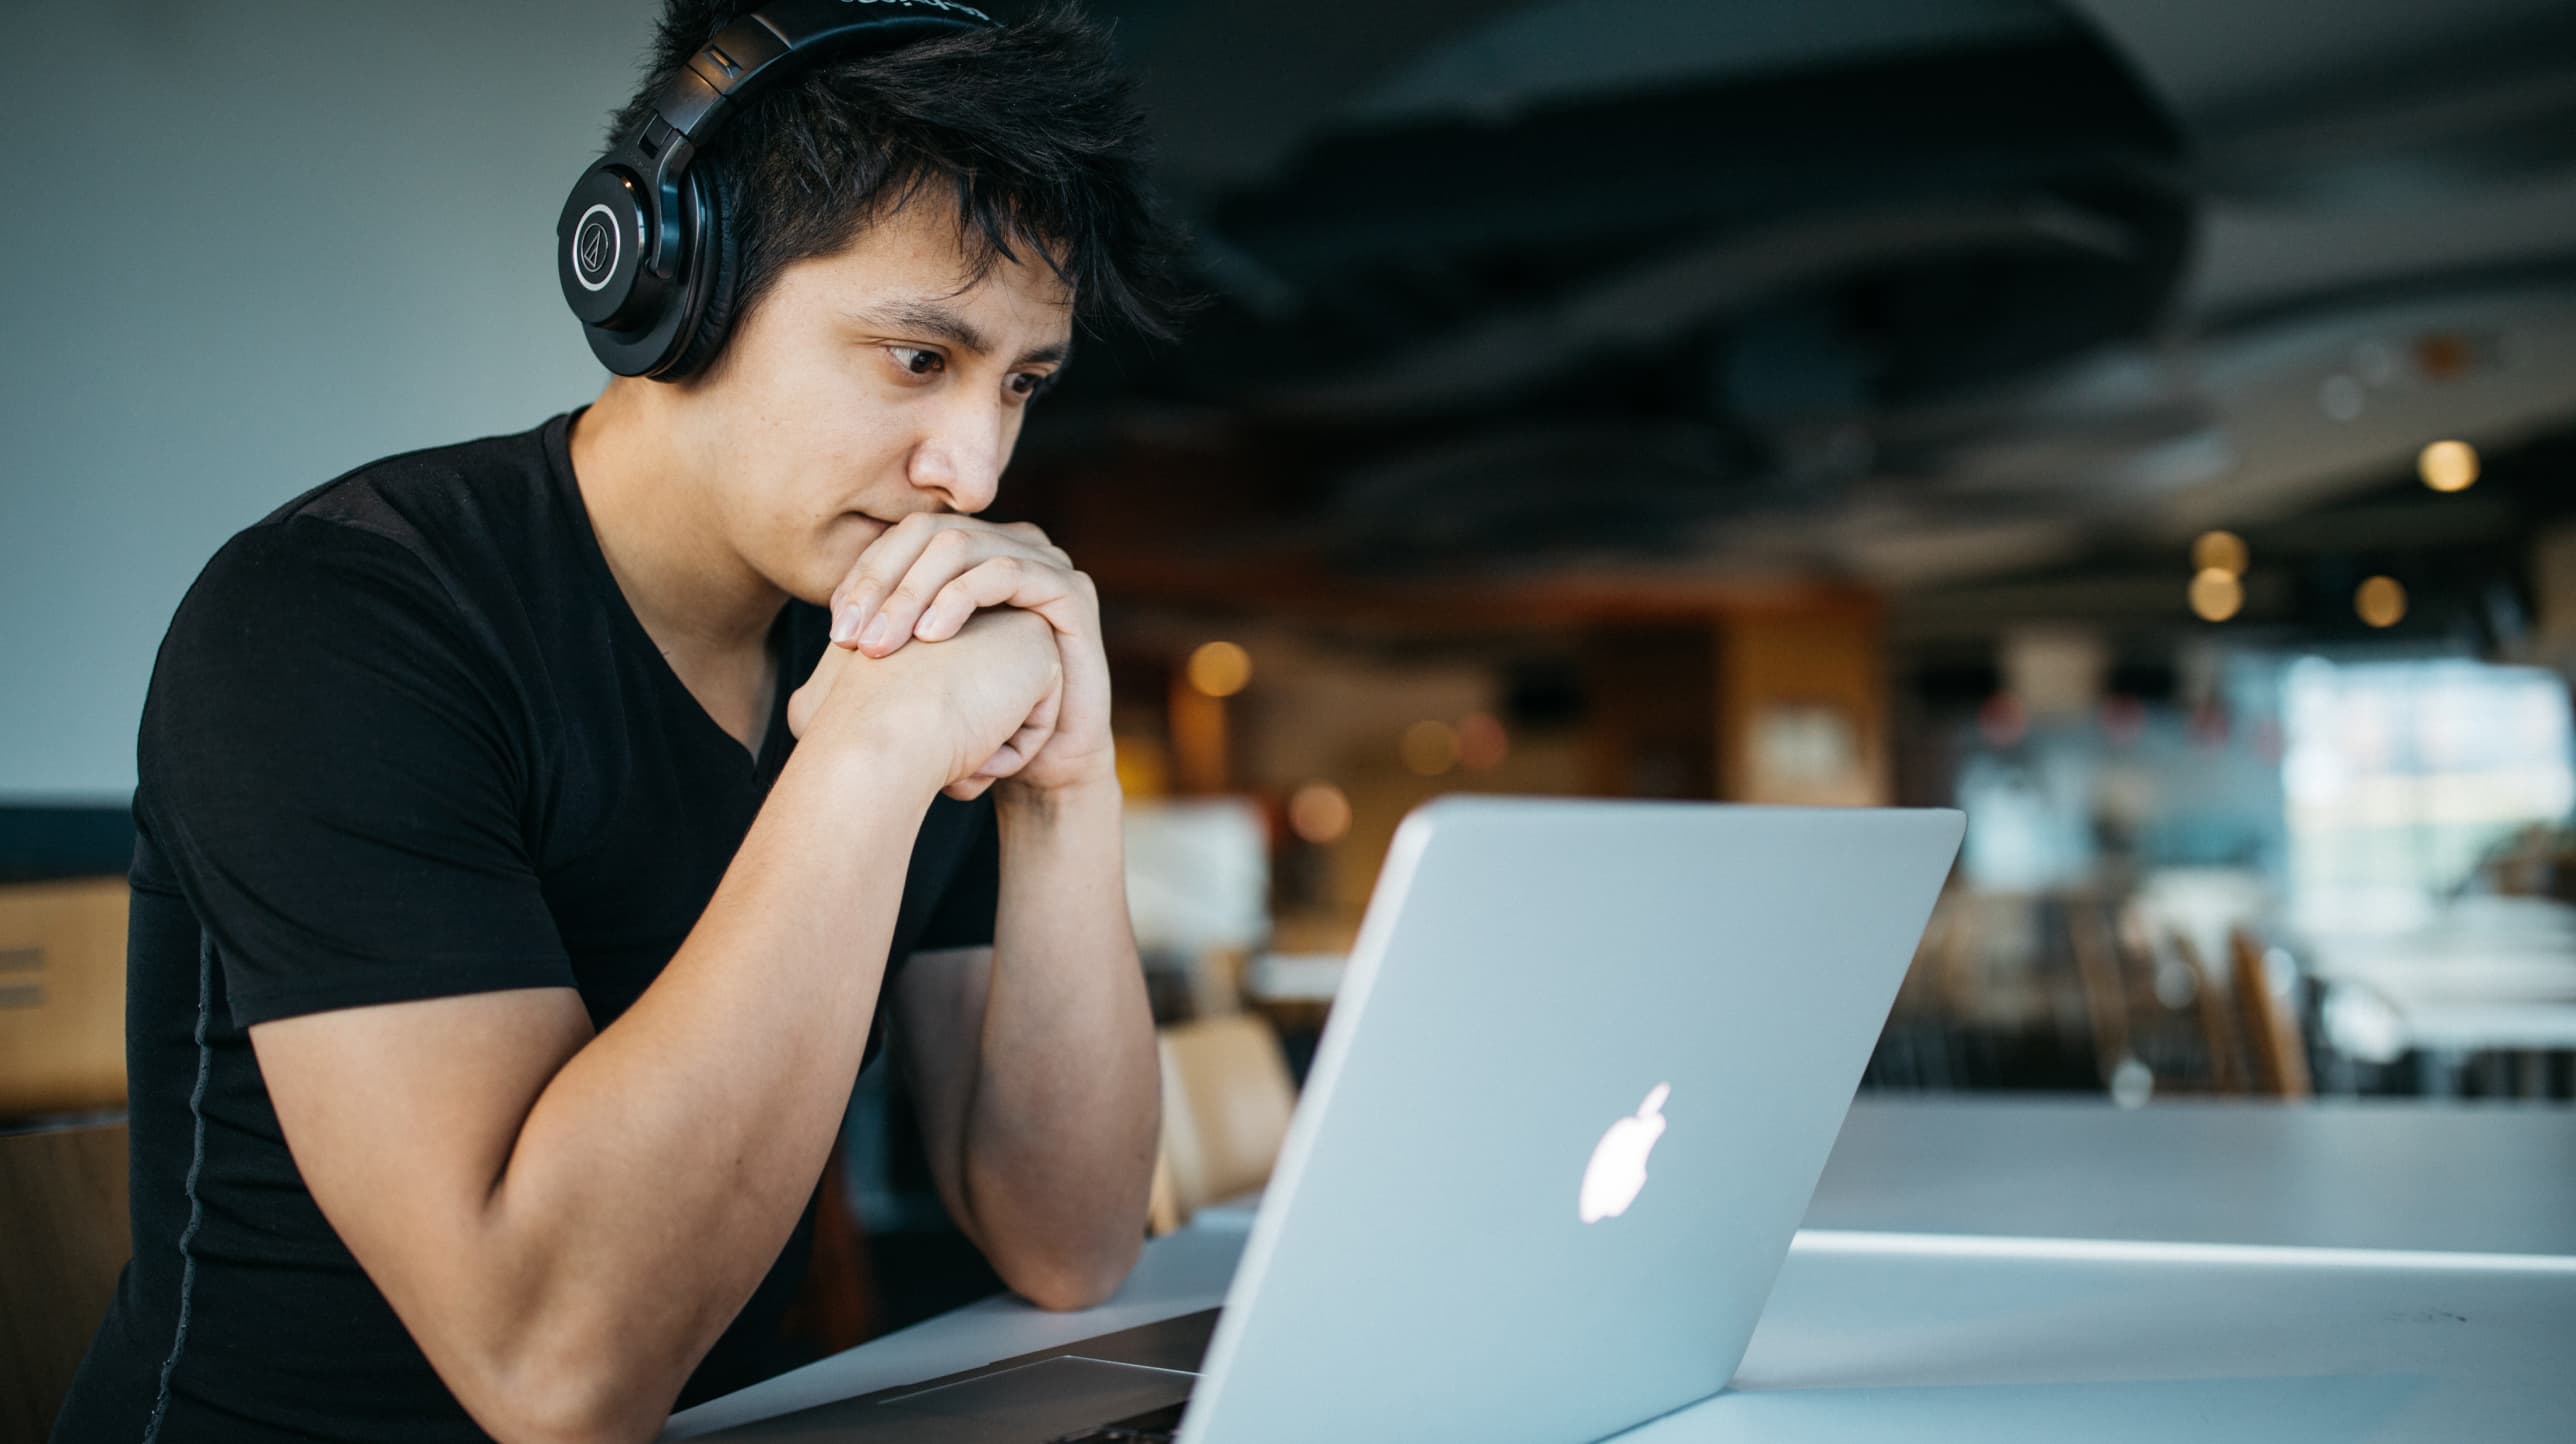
961, 459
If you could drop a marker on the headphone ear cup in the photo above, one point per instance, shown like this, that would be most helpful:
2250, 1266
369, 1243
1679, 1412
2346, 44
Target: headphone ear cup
712, 289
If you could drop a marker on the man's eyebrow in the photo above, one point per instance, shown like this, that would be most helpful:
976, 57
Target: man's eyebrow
940, 323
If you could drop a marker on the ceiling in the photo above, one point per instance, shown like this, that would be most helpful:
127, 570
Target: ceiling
1914, 293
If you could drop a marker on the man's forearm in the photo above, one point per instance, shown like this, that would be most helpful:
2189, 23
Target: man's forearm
664, 1165
1059, 1145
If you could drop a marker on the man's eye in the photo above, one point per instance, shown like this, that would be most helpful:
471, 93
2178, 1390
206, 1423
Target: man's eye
904, 357
1037, 385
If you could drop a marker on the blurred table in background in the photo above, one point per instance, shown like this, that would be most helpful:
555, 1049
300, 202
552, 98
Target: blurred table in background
2377, 1174
2466, 964
2494, 976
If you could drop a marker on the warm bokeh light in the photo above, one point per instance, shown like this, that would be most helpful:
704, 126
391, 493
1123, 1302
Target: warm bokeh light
2448, 466
2216, 595
1319, 812
1430, 748
1482, 743
1144, 766
2219, 551
2381, 602
1220, 669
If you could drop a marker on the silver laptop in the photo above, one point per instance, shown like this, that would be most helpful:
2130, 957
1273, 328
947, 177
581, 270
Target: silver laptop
1573, 1098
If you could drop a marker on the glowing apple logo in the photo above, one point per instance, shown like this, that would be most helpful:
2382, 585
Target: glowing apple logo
1618, 1170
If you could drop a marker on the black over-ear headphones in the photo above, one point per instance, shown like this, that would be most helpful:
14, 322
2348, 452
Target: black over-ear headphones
643, 248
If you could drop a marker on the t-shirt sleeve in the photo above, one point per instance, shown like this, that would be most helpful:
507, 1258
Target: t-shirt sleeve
963, 916
324, 759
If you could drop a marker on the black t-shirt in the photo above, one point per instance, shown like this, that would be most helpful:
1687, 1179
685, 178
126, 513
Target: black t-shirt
405, 739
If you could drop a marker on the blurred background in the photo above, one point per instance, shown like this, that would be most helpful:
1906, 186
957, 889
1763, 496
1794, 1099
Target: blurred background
2148, 425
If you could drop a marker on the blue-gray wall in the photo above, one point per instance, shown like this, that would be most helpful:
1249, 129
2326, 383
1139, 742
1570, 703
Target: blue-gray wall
247, 245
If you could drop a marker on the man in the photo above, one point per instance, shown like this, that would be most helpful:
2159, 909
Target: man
536, 834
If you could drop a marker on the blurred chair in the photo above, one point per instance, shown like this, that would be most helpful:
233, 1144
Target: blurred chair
62, 997
64, 1235
1914, 1046
2105, 984
1163, 1204
2145, 1044
1936, 983
1226, 1101
2219, 1030
2271, 1023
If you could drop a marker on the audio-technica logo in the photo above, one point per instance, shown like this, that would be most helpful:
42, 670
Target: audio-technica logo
947, 5
594, 248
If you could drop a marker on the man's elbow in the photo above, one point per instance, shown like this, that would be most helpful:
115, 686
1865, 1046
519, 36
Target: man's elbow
573, 1417
526, 1402
1073, 1281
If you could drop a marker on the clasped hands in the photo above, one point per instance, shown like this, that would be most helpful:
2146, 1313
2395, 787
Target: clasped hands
1022, 691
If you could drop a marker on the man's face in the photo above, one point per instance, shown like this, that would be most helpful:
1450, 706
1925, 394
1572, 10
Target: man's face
866, 387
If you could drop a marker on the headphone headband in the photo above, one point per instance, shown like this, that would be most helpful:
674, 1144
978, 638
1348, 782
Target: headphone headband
784, 34
633, 243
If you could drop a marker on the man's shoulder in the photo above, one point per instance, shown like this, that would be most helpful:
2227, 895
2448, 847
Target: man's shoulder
397, 584
429, 498
451, 527
424, 536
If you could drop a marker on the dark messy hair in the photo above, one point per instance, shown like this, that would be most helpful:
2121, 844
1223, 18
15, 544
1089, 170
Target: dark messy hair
1031, 129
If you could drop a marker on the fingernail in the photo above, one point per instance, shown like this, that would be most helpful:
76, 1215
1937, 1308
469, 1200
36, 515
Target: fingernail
879, 632
845, 624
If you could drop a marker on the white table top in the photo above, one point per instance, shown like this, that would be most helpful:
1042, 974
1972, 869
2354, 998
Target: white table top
1926, 1301
1859, 1347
